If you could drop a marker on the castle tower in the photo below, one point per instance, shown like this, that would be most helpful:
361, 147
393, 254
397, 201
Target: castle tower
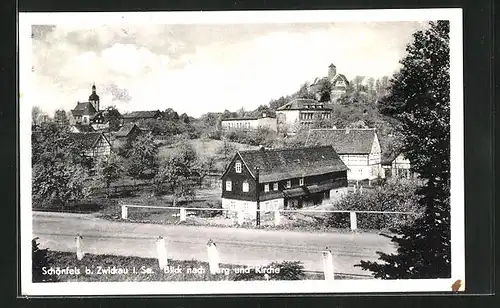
94, 98
332, 71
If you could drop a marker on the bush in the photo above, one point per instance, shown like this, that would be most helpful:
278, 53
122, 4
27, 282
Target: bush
40, 260
288, 270
394, 196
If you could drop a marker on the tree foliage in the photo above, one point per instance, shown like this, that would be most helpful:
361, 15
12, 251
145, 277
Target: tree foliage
142, 157
394, 196
178, 173
60, 170
40, 260
420, 99
108, 171
113, 117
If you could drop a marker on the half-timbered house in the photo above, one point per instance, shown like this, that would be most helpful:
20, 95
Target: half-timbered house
359, 149
282, 178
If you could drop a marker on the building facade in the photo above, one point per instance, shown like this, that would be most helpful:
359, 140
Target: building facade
281, 178
248, 123
85, 111
359, 149
141, 115
301, 113
339, 83
397, 165
93, 144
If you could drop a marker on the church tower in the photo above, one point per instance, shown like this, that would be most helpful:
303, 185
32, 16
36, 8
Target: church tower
94, 98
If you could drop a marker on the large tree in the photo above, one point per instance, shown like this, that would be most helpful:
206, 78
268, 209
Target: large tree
420, 99
142, 157
108, 171
178, 173
59, 170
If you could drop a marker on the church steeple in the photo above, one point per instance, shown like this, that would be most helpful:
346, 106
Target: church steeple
94, 98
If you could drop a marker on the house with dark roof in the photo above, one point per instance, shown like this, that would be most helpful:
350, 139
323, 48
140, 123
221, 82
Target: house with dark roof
358, 148
395, 164
301, 112
127, 133
249, 123
281, 178
141, 115
93, 144
338, 81
85, 111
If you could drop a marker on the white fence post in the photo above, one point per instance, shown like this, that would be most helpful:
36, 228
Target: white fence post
161, 250
241, 217
354, 221
328, 265
213, 257
79, 247
124, 211
182, 214
277, 217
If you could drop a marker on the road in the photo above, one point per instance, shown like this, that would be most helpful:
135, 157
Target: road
236, 245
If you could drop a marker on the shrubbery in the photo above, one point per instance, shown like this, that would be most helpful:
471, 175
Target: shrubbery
39, 260
394, 196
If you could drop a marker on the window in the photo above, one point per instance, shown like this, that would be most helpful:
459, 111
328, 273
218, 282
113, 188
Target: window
288, 184
266, 187
238, 167
301, 182
275, 186
245, 186
228, 185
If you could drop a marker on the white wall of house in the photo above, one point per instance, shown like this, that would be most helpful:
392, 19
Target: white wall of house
85, 120
271, 123
249, 208
99, 126
288, 117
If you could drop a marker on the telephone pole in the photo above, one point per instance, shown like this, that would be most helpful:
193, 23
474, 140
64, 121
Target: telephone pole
257, 195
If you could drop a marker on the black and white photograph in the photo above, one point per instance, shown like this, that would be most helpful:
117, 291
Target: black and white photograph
248, 152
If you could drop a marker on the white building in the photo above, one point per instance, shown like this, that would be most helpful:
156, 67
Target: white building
248, 123
359, 149
301, 112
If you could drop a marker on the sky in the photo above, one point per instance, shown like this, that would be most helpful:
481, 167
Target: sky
199, 68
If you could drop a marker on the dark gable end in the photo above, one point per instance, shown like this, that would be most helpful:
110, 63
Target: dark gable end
283, 164
230, 167
344, 141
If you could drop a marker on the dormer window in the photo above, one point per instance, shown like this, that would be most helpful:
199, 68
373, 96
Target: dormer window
237, 166
301, 182
275, 186
266, 187
288, 184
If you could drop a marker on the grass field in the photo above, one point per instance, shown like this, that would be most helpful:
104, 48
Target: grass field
206, 148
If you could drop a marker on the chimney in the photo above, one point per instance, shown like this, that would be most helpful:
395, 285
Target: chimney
332, 71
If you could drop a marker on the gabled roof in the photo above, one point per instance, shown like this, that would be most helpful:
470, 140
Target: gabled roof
87, 140
142, 114
84, 128
389, 156
126, 129
304, 104
342, 76
282, 164
344, 141
84, 108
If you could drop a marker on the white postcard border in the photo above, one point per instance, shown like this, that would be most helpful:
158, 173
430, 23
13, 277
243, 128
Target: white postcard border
258, 287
